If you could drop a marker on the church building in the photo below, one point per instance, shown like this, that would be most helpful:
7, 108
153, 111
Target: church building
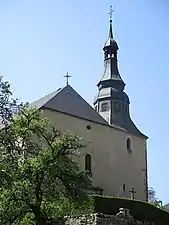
116, 151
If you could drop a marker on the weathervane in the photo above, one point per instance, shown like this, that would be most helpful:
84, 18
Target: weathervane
67, 76
111, 12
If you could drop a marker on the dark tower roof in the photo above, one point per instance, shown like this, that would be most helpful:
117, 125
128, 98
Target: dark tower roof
110, 41
111, 90
111, 76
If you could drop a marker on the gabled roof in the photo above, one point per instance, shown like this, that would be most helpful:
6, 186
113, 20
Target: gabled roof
67, 100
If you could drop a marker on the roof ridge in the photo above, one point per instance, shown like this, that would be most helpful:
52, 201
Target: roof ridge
43, 100
90, 106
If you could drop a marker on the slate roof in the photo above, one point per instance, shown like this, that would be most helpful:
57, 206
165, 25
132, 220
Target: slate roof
67, 100
128, 125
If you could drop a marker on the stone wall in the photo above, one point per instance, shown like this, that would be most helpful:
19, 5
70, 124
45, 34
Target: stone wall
101, 219
122, 218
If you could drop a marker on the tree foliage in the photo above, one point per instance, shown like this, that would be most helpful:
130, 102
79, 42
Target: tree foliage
39, 177
153, 199
151, 195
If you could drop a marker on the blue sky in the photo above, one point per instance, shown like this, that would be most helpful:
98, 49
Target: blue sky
43, 39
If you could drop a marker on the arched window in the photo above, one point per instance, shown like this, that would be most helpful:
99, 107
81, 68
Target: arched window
88, 163
117, 107
104, 106
124, 187
129, 144
125, 109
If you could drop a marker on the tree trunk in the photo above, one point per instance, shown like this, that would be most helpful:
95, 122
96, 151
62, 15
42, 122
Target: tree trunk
38, 217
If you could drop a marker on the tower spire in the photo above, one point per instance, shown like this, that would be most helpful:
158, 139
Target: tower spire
111, 30
111, 102
111, 77
111, 86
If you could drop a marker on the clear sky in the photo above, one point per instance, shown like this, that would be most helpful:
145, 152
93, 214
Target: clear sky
40, 40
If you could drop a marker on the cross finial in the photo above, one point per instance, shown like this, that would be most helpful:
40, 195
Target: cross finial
111, 12
67, 76
133, 192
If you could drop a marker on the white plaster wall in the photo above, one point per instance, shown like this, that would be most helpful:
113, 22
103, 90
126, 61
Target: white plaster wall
112, 165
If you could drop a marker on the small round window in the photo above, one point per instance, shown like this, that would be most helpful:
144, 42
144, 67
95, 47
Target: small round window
88, 127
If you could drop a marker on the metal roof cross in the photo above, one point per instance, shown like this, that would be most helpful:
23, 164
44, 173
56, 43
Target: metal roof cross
67, 76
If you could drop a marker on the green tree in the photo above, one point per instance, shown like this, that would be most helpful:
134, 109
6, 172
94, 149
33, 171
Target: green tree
40, 180
153, 199
151, 195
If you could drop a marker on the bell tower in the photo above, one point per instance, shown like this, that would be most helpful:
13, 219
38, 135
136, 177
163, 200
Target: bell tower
112, 102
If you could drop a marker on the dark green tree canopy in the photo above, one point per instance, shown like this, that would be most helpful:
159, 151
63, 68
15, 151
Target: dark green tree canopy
39, 175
